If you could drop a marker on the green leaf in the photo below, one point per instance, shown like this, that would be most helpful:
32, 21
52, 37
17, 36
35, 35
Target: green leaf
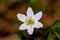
56, 25
57, 34
57, 30
49, 35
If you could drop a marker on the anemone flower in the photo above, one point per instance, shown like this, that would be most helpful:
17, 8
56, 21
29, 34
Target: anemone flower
30, 21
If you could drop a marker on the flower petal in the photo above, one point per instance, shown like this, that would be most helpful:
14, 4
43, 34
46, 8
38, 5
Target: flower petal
23, 26
30, 30
38, 25
21, 17
38, 16
30, 12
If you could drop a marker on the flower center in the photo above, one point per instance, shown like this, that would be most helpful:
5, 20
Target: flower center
30, 21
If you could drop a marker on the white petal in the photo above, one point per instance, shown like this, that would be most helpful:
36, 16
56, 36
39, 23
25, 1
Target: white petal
38, 16
21, 17
30, 30
30, 12
23, 26
38, 25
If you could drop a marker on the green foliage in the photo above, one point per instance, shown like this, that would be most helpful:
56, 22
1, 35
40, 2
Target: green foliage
57, 34
33, 3
43, 9
56, 24
49, 36
53, 30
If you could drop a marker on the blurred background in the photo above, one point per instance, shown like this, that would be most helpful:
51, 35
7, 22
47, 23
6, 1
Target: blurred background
9, 24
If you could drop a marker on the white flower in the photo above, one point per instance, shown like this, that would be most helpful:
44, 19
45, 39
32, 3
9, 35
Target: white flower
30, 21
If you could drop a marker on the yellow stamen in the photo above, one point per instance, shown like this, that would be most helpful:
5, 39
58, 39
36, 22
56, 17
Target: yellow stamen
30, 21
